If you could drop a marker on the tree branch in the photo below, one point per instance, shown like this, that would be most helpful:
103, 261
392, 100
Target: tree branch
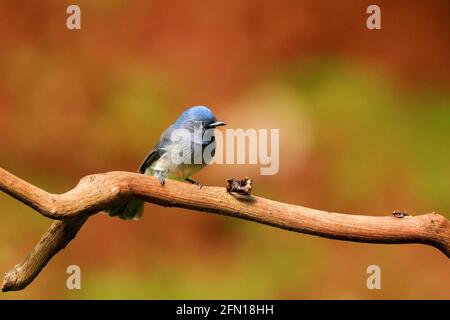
98, 192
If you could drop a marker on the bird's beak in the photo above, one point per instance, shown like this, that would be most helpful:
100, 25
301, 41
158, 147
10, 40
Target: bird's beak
216, 124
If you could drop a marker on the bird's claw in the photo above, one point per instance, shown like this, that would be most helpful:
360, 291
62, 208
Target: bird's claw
194, 182
161, 177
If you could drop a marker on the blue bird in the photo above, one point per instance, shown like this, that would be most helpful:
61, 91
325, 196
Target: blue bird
178, 155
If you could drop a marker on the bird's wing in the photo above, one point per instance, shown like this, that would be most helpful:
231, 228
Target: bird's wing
153, 155
158, 151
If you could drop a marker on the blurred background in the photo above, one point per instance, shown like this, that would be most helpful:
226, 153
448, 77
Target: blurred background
364, 119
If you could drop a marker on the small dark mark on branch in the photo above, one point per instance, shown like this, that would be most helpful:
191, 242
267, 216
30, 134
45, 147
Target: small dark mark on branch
400, 214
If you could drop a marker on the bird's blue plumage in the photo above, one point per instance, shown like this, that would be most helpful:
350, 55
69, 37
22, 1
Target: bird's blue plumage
160, 161
197, 113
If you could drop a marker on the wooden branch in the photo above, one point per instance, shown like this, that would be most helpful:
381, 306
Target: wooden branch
98, 192
55, 239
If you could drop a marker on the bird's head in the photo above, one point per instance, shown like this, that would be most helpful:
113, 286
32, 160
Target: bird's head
198, 115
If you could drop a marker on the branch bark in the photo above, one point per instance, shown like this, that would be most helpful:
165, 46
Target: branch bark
97, 192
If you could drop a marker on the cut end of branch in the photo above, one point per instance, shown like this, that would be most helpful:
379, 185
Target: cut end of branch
10, 282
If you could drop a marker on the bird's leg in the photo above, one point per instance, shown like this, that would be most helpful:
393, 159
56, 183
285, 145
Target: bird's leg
161, 177
194, 182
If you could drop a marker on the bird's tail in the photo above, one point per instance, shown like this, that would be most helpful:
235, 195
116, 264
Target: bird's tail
128, 210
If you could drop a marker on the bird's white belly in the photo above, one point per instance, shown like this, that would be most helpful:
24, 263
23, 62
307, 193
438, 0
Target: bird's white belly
184, 171
172, 170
